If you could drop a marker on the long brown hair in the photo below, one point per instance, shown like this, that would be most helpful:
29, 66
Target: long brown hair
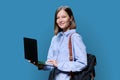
68, 10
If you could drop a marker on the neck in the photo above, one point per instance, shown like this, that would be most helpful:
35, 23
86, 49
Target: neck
66, 29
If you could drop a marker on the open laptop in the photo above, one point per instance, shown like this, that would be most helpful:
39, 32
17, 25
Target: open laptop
30, 50
31, 53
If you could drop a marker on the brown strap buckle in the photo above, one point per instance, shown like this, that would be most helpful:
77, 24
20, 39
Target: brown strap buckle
71, 58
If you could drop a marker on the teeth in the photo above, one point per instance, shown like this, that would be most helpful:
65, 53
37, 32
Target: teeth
61, 24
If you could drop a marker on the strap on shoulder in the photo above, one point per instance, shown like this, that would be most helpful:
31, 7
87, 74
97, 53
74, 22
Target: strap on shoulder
70, 48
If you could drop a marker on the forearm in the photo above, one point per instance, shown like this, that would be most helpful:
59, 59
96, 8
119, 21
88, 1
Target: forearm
71, 66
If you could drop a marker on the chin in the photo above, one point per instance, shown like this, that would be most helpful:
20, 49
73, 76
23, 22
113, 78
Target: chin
62, 27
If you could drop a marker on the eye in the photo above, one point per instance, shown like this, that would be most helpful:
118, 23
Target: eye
63, 16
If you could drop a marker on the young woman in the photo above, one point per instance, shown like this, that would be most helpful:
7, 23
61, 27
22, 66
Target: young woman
58, 54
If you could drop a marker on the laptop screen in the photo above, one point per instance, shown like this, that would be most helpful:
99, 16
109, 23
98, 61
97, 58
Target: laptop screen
30, 49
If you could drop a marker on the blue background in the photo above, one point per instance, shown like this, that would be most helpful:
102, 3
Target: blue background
97, 21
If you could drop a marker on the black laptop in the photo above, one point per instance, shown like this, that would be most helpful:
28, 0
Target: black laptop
30, 50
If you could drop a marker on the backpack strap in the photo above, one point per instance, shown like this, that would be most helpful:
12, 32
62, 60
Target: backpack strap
70, 53
70, 48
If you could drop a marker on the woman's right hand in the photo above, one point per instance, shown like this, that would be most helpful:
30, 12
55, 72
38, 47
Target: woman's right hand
40, 66
33, 62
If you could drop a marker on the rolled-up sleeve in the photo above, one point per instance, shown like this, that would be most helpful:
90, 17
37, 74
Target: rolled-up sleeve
50, 56
79, 52
51, 50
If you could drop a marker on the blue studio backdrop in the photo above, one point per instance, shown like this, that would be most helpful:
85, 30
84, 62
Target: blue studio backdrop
98, 21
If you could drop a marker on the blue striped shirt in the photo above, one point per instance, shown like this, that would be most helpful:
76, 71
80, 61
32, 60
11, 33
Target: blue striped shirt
59, 51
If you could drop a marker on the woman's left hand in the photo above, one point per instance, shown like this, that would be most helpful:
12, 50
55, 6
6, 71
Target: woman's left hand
54, 62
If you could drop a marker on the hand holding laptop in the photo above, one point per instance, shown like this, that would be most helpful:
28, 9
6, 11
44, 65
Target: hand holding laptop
32, 62
40, 64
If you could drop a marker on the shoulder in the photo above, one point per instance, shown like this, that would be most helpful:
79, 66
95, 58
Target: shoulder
77, 40
54, 38
76, 35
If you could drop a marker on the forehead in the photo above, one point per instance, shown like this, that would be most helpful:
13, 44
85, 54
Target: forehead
62, 12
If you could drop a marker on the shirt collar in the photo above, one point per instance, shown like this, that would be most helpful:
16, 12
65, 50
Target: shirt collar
68, 32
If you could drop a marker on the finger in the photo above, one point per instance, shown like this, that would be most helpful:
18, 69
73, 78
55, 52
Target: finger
29, 61
50, 61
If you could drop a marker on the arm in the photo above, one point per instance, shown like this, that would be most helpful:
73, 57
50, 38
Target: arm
79, 52
51, 50
50, 55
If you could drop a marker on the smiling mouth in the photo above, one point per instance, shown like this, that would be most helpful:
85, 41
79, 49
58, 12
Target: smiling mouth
61, 24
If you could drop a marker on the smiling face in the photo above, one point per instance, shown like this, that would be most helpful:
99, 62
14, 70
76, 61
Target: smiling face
63, 20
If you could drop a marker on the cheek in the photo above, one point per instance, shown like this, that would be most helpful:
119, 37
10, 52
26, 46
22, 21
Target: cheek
67, 22
57, 21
